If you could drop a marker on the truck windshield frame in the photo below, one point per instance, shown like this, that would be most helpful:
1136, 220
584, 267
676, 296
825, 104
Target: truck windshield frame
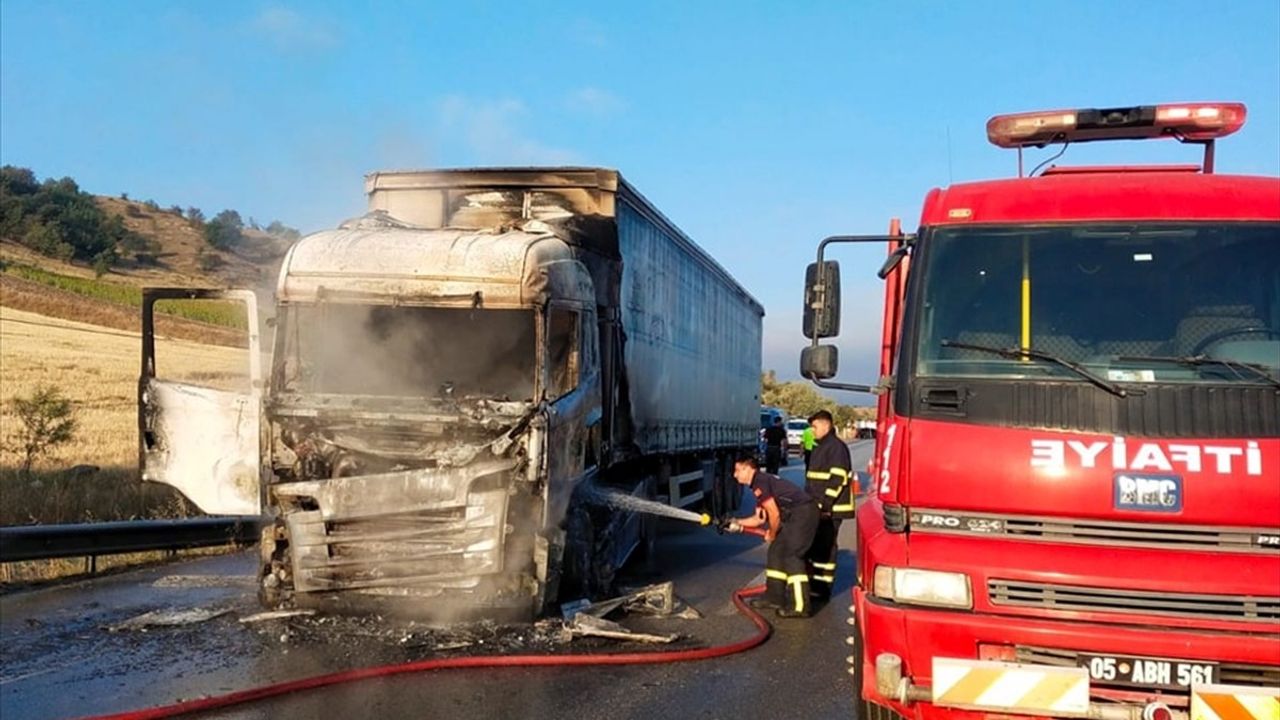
438, 353
1117, 299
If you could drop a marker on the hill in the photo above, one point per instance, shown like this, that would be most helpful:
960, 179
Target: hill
177, 254
70, 254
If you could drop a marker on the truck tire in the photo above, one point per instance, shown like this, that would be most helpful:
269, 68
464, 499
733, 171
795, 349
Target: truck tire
585, 569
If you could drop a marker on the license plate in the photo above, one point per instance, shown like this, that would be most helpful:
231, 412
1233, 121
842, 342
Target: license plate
1148, 672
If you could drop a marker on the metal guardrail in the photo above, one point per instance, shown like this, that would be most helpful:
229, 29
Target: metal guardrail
44, 542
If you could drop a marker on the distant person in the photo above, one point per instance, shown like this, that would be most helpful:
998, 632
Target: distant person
828, 480
807, 441
775, 442
792, 518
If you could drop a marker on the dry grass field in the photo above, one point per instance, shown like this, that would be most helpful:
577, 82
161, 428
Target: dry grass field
94, 477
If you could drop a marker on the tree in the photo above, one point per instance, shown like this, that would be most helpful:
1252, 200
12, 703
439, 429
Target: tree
209, 261
195, 215
102, 263
282, 231
222, 235
47, 240
802, 399
18, 181
230, 218
48, 420
53, 217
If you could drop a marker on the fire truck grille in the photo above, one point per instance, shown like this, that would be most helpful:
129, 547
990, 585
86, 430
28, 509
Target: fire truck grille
1228, 673
1099, 532
1237, 608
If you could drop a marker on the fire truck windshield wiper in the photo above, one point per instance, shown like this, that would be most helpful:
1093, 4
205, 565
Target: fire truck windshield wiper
1256, 371
1017, 353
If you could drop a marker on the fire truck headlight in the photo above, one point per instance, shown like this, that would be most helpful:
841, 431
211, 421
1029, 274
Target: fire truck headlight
923, 587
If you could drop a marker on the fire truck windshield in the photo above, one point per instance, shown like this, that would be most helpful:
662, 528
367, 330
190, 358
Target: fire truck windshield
1132, 303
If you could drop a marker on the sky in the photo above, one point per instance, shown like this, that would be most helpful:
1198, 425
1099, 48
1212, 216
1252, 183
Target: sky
759, 128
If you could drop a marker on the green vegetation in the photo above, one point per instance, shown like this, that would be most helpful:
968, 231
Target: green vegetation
280, 230
801, 399
214, 312
57, 219
48, 420
224, 231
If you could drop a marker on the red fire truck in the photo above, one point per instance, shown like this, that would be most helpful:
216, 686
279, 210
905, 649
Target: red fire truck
1076, 506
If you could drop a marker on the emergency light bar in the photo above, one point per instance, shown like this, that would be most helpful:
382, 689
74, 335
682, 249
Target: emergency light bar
1187, 122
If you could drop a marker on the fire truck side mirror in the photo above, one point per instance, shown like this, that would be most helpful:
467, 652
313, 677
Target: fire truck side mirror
819, 362
822, 300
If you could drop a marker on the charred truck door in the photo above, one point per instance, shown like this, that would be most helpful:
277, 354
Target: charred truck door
203, 440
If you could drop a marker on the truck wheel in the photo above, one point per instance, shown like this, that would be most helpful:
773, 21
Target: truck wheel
575, 563
585, 568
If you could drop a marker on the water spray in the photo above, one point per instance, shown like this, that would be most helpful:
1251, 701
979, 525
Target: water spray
607, 497
620, 500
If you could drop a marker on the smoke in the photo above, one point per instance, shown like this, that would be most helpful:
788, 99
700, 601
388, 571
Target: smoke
410, 351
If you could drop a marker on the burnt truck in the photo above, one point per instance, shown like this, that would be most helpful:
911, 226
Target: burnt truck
448, 372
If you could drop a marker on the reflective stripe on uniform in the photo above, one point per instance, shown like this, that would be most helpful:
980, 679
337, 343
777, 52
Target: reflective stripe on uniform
798, 589
842, 508
828, 579
840, 472
1031, 689
1233, 702
775, 574
824, 566
834, 492
815, 475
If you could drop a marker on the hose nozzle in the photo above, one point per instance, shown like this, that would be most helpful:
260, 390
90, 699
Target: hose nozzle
705, 519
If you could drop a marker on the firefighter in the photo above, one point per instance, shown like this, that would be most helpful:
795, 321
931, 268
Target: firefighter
775, 441
828, 479
792, 517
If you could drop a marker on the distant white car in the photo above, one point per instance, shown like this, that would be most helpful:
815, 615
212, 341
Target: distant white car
795, 435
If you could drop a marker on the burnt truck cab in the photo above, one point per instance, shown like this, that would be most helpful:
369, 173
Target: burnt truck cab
413, 403
1076, 503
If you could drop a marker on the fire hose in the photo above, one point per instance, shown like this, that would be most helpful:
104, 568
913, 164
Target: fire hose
217, 702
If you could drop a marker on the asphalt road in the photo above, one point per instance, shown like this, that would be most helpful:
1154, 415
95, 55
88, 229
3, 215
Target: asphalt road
59, 659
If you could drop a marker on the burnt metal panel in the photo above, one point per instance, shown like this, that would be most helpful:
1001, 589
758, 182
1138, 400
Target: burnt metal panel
693, 344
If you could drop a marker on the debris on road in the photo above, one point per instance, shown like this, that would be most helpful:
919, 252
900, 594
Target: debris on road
584, 625
657, 600
276, 615
202, 581
169, 617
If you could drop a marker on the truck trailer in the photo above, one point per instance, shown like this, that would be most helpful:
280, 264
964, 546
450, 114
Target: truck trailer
1076, 504
448, 373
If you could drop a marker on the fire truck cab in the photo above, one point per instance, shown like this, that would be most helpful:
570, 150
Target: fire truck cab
1076, 503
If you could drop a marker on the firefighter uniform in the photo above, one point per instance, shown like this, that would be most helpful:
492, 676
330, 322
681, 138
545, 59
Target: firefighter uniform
829, 478
786, 575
